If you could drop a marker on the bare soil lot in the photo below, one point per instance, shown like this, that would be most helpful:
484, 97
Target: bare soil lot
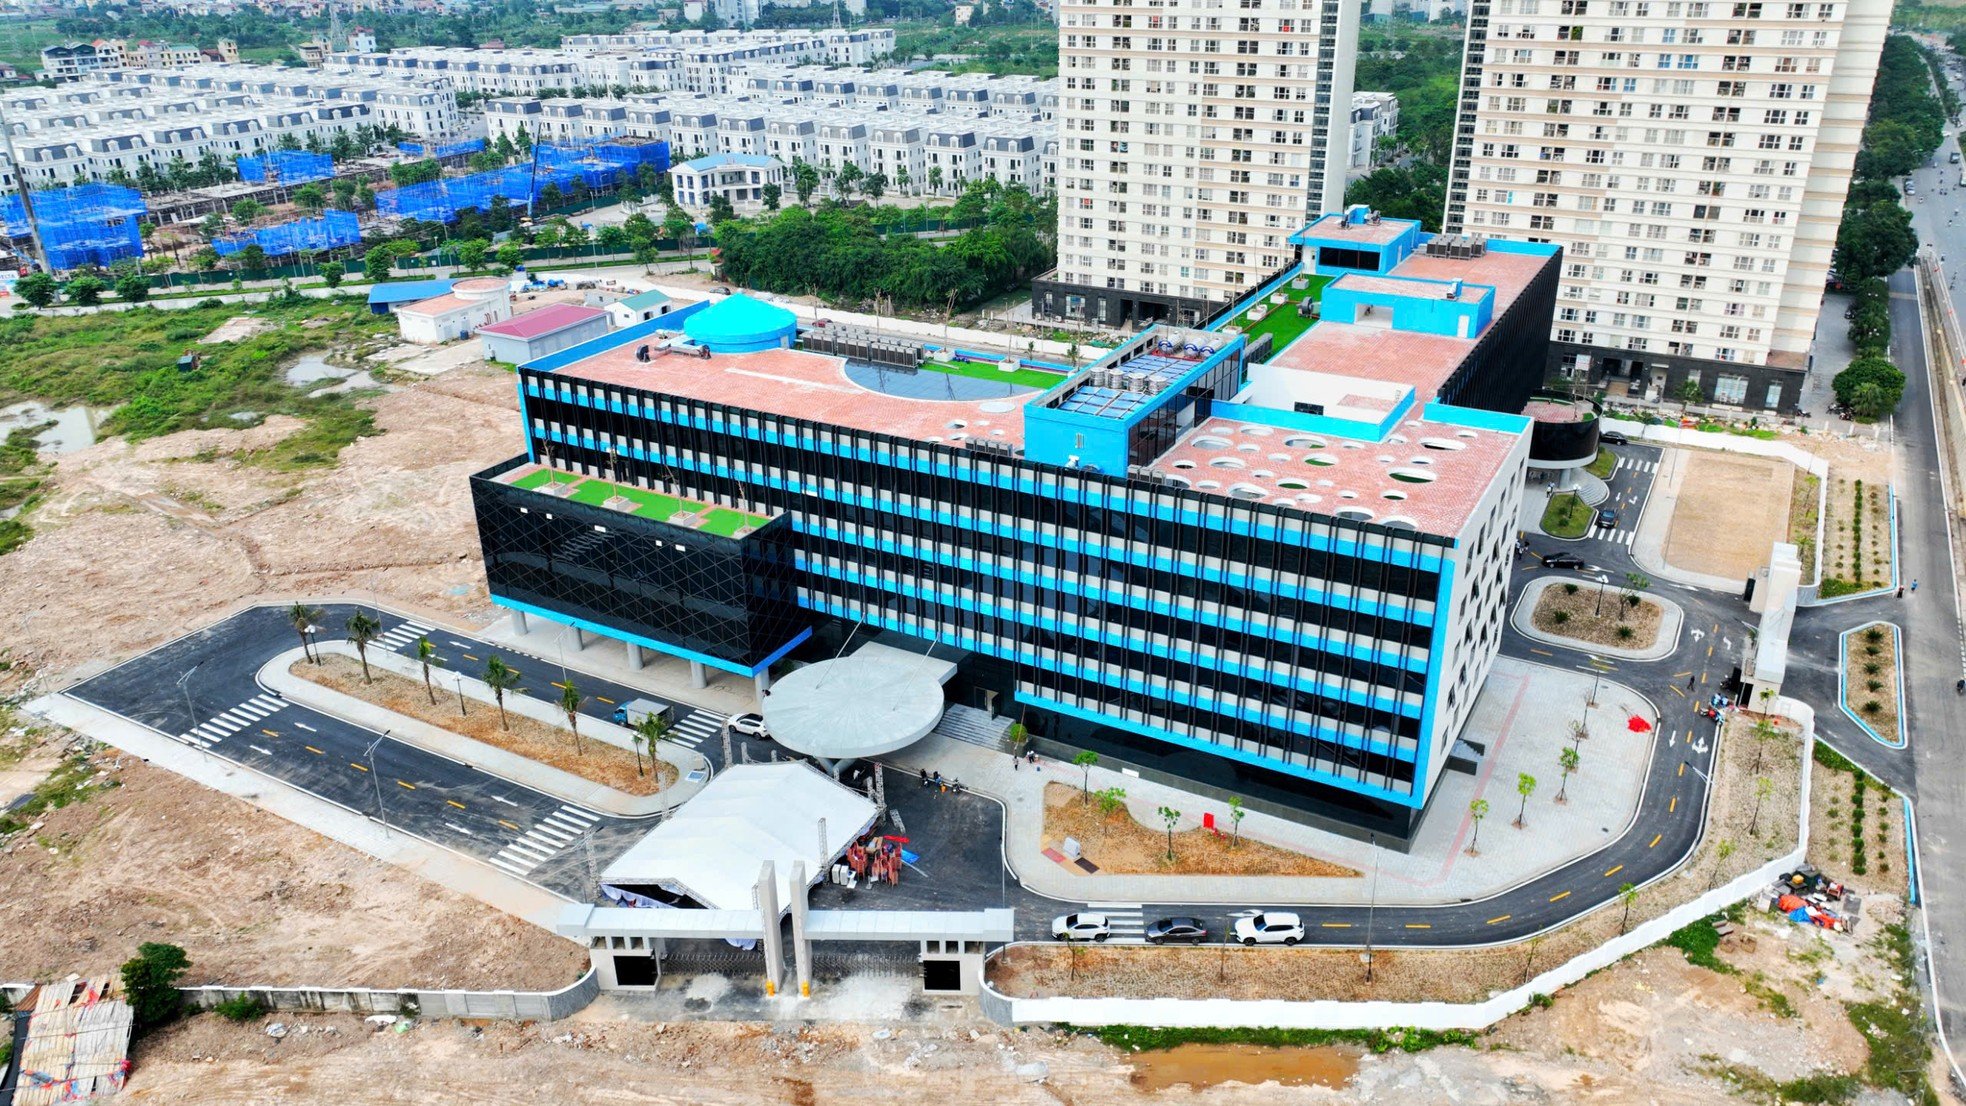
1731, 508
252, 898
1118, 843
530, 738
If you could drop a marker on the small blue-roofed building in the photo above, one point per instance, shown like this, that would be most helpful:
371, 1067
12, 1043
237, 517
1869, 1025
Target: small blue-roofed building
1359, 240
739, 178
740, 324
387, 297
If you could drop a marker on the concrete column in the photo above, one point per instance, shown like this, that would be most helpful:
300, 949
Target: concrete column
519, 622
763, 682
635, 660
773, 943
699, 677
801, 946
579, 639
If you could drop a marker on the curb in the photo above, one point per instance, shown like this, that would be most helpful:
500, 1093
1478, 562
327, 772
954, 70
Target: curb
1843, 677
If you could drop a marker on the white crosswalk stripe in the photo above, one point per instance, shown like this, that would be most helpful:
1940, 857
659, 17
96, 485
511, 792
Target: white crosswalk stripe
699, 727
548, 836
402, 635
227, 722
1125, 920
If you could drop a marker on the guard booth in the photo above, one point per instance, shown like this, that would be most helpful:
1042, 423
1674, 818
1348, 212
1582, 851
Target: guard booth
952, 966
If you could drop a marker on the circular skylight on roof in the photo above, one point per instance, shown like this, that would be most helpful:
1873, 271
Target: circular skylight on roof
1304, 442
1257, 431
1247, 491
1293, 485
1442, 443
1206, 442
1323, 460
1412, 476
1225, 463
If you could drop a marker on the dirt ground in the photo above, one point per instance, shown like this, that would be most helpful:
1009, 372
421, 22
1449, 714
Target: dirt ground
1731, 508
1118, 843
1587, 616
600, 762
251, 897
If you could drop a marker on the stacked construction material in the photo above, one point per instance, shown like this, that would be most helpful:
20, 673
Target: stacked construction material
78, 1044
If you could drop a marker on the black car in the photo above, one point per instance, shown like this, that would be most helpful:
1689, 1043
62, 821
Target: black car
1190, 930
1607, 520
1613, 437
1563, 560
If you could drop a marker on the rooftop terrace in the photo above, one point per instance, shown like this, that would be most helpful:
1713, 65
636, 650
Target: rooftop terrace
690, 514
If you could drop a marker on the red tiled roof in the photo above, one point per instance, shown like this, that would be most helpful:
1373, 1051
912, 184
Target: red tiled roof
546, 320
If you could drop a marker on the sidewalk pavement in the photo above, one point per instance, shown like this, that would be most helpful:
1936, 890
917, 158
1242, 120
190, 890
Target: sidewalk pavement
1523, 717
459, 873
524, 771
1649, 540
663, 676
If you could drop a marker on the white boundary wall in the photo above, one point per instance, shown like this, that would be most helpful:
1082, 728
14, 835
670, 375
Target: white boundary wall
508, 1005
1335, 1014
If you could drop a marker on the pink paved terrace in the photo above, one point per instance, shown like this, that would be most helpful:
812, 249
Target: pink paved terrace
802, 385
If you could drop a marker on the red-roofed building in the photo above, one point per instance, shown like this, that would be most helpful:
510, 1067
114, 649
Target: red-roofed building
535, 334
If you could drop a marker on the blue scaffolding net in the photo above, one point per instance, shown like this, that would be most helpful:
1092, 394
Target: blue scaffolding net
441, 200
333, 229
85, 224
286, 167
418, 149
605, 163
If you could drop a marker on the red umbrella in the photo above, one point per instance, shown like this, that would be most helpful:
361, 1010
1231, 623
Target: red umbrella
1638, 725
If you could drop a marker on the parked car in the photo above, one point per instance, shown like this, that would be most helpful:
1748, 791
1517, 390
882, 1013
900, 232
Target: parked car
1607, 520
1613, 437
1563, 560
750, 725
1190, 930
1269, 927
1081, 927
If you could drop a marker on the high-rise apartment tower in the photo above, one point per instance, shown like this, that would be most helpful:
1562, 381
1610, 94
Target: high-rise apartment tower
1690, 156
1195, 136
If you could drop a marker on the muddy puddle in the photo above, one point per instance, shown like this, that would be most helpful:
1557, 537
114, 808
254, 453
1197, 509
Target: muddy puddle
1202, 1066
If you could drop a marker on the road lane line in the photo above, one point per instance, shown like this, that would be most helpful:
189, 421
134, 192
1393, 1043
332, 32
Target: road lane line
1502, 918
469, 657
303, 726
1559, 896
1335, 925
405, 784
257, 749
1541, 652
507, 824
503, 799
1672, 806
605, 699
1682, 767
317, 752
269, 733
1419, 925
559, 685
1609, 872
460, 829
455, 803
1655, 841
1676, 690
358, 767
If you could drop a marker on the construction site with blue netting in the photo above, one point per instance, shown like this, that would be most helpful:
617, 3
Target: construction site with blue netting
333, 230
81, 225
596, 165
454, 149
286, 167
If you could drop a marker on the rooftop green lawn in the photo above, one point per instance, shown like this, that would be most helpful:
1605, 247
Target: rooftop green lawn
721, 521
1028, 378
1282, 323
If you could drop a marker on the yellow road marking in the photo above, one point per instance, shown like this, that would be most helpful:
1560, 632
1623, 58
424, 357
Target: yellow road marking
1503, 918
1703, 679
1559, 895
1609, 872
312, 749
1655, 841
269, 733
358, 767
1682, 767
1677, 675
507, 824
1419, 925
1672, 806
1709, 653
559, 685
469, 657
605, 699
1676, 691
455, 803
1336, 925
411, 786
1542, 652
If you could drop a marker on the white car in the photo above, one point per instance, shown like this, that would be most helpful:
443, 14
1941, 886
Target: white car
750, 725
1269, 928
1081, 927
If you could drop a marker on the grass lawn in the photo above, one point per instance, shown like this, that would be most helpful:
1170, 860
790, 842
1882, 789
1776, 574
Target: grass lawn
1601, 468
1029, 378
1283, 324
721, 521
1566, 516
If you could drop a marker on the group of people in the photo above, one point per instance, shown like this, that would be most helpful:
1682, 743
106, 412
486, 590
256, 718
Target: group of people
936, 781
876, 860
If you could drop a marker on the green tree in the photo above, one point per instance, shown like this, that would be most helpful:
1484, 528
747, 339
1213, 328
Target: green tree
1085, 759
204, 259
251, 259
1525, 786
720, 210
653, 727
1763, 787
612, 238
570, 703
84, 290
1627, 894
471, 254
363, 628
312, 198
332, 272
1171, 818
132, 288
1236, 813
1567, 759
501, 678
1477, 810
772, 194
1871, 387
1688, 393
874, 185
805, 181
150, 982
304, 619
510, 255
247, 210
1874, 240
375, 264
1111, 799
37, 289
676, 225
1722, 849
426, 655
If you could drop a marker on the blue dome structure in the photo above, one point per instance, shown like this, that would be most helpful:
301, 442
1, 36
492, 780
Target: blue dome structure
741, 324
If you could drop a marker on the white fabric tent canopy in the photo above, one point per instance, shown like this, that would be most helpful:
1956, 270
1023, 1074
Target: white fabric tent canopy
712, 848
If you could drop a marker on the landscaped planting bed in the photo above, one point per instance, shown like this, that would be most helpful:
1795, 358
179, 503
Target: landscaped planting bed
1566, 516
1803, 513
1857, 535
1113, 840
1870, 678
1599, 615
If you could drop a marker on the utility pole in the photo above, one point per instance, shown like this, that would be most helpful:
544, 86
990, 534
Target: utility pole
26, 199
1371, 908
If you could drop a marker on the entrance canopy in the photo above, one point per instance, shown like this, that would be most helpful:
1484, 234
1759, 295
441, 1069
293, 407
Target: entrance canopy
876, 701
712, 848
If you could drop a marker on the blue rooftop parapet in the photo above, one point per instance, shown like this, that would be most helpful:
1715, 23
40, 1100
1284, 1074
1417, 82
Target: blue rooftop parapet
1452, 308
1358, 240
1090, 421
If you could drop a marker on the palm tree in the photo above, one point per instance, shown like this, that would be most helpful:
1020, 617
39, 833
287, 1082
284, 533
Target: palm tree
501, 678
1525, 786
362, 629
570, 701
425, 654
1628, 895
303, 618
652, 728
1477, 810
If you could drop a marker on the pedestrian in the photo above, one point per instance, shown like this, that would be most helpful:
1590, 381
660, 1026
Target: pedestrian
937, 778
924, 777
1689, 680
1901, 591
1016, 762
1914, 585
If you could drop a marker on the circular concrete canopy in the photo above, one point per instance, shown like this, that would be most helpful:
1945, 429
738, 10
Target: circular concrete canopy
852, 707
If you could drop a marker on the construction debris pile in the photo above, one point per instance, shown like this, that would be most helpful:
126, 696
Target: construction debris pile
77, 1043
1807, 897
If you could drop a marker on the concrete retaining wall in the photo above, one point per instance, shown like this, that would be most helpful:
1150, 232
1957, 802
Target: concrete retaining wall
502, 1005
1731, 443
1334, 1014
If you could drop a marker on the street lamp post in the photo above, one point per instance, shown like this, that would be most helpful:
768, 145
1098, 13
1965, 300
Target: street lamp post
191, 711
380, 815
1371, 908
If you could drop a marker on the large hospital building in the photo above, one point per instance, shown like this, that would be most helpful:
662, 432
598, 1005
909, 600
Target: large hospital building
1267, 555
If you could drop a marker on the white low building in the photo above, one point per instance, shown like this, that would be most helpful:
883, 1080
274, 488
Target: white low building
1375, 115
739, 178
470, 304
